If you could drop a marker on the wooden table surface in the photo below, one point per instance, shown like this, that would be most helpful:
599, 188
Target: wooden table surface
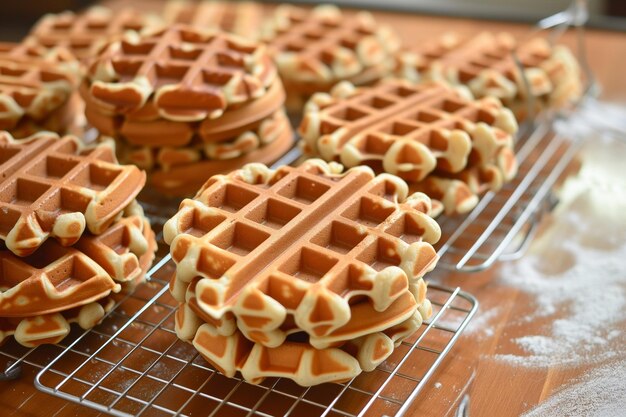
496, 388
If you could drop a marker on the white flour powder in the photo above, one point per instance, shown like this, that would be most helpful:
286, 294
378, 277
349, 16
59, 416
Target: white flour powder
601, 393
583, 295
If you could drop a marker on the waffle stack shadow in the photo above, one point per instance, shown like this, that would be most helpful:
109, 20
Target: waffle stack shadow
436, 137
186, 103
71, 235
304, 273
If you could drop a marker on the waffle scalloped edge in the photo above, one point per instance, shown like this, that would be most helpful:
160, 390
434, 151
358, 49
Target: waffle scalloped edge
377, 46
297, 361
558, 78
486, 142
29, 232
194, 255
52, 328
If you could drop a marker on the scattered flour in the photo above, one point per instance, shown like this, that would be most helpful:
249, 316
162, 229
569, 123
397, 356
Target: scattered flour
601, 393
583, 299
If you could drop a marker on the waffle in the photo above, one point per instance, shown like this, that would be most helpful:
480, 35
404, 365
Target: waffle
56, 187
184, 180
33, 84
324, 45
54, 279
188, 74
84, 33
485, 64
57, 278
332, 250
406, 130
52, 328
240, 18
296, 360
146, 127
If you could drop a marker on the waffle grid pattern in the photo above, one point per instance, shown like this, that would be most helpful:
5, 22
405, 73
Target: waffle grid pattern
81, 33
193, 74
55, 187
407, 130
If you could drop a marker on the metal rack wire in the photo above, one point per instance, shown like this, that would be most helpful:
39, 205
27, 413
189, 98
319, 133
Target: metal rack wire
143, 369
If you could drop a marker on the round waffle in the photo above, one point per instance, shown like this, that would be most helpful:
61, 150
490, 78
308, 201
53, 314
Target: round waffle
316, 49
55, 187
414, 132
185, 73
306, 267
84, 33
485, 64
330, 252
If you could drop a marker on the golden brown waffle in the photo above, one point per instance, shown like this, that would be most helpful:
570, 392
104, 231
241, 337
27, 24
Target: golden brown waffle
187, 74
300, 245
53, 186
146, 127
34, 84
83, 33
324, 45
405, 129
54, 327
54, 279
486, 65
296, 360
240, 18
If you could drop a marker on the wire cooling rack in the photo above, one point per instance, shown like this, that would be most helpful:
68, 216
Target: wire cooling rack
133, 364
503, 223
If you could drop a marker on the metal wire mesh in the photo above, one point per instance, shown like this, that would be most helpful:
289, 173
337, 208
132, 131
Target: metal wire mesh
502, 224
134, 364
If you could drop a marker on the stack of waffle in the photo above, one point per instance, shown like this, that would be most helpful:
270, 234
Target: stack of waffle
485, 64
71, 234
316, 49
304, 273
186, 104
36, 86
443, 142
